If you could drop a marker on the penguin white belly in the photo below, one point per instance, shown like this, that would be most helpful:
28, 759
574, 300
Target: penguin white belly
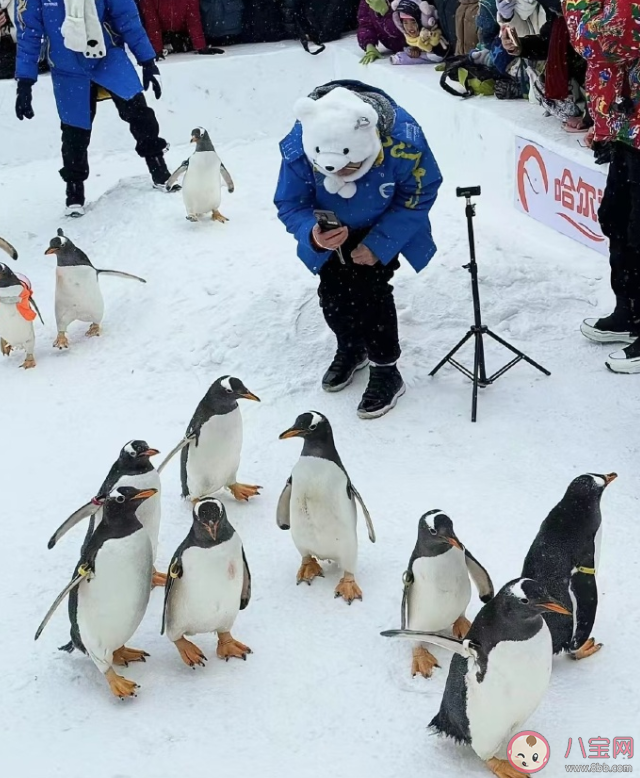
78, 296
201, 187
112, 604
207, 597
440, 592
323, 518
213, 463
14, 328
516, 680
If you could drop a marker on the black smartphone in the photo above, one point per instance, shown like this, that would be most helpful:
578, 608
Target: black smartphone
327, 220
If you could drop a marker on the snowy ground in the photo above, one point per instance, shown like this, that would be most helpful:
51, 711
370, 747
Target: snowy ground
322, 688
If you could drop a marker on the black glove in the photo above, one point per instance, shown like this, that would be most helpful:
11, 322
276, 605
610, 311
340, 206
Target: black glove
161, 55
210, 50
24, 109
151, 77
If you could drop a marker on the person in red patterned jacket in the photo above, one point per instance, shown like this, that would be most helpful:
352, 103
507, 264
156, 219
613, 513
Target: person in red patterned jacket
607, 34
175, 16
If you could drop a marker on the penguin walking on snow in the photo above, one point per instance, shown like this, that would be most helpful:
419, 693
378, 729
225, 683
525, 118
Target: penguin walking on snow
318, 504
201, 187
113, 580
78, 295
212, 445
17, 312
133, 467
437, 590
208, 584
500, 671
564, 557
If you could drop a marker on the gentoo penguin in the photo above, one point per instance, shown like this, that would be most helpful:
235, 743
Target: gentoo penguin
212, 444
17, 312
564, 557
437, 590
208, 584
78, 295
133, 467
201, 188
500, 672
318, 504
113, 581
6, 246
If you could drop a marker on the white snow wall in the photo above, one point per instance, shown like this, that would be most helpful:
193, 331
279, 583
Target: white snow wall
248, 93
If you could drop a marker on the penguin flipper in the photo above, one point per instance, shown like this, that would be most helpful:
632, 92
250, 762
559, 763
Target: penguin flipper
227, 178
584, 588
85, 512
480, 576
120, 274
245, 597
465, 648
6, 246
75, 581
184, 442
175, 571
283, 512
32, 301
175, 176
365, 511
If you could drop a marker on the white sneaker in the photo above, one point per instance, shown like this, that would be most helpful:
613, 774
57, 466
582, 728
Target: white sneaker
589, 330
74, 211
627, 360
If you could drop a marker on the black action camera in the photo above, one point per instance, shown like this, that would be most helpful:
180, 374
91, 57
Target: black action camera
327, 220
468, 191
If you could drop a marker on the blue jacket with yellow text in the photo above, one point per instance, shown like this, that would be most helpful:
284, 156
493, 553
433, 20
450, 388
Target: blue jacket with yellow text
71, 72
393, 199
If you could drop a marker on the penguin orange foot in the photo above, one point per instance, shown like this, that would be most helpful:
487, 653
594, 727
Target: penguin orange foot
588, 648
5, 347
309, 569
423, 662
460, 627
229, 647
348, 589
216, 216
158, 579
122, 656
244, 491
93, 331
503, 769
190, 653
61, 341
29, 361
120, 687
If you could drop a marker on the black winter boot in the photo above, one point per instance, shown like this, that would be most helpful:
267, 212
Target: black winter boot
385, 388
342, 370
75, 199
159, 173
614, 328
627, 360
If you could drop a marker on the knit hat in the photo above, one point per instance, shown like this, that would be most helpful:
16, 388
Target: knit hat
339, 129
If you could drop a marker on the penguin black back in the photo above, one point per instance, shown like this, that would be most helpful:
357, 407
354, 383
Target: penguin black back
565, 542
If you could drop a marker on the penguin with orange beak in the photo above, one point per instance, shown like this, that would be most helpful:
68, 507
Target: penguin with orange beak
564, 557
500, 672
437, 590
133, 467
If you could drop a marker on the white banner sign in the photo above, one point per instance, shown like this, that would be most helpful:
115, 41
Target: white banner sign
560, 193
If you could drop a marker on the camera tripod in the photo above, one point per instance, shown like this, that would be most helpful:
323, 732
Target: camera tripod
479, 330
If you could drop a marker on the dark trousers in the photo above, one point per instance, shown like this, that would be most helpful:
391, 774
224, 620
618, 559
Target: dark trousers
142, 124
620, 221
358, 305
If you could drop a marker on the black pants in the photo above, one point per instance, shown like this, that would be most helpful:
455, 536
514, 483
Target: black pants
620, 221
142, 124
357, 302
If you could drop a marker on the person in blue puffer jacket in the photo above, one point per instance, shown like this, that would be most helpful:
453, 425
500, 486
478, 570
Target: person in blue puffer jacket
355, 152
85, 47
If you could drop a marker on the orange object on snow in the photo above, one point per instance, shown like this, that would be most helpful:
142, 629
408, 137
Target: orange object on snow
24, 306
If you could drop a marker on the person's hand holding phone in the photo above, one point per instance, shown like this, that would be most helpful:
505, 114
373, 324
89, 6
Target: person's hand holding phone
331, 239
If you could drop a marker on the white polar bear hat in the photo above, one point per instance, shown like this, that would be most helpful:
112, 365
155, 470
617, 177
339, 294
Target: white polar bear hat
339, 129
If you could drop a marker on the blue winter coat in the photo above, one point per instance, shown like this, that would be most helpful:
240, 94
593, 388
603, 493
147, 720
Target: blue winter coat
394, 198
71, 72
